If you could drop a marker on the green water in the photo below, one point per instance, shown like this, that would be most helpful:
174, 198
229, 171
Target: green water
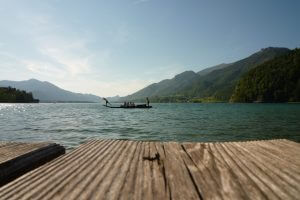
72, 124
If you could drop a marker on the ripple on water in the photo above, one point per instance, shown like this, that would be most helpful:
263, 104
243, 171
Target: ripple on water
72, 124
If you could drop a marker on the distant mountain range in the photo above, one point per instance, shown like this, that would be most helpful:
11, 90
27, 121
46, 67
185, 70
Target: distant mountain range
47, 92
114, 98
217, 82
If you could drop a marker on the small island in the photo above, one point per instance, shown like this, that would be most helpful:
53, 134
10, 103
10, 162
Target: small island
13, 95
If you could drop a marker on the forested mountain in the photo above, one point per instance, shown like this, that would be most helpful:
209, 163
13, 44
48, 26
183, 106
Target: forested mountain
221, 83
166, 87
12, 95
210, 69
277, 80
47, 92
217, 82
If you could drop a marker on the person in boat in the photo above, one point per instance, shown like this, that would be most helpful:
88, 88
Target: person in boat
148, 102
106, 101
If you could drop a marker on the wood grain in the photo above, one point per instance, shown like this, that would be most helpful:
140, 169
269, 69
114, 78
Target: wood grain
18, 158
118, 169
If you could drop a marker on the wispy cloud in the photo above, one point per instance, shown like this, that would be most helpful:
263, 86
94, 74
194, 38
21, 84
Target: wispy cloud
9, 61
14, 68
45, 69
69, 59
73, 56
58, 52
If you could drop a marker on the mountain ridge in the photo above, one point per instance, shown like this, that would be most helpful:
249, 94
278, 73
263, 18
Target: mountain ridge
217, 82
210, 69
48, 92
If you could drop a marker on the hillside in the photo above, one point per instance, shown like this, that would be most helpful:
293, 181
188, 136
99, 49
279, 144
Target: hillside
277, 80
166, 87
221, 83
216, 82
210, 69
12, 95
47, 92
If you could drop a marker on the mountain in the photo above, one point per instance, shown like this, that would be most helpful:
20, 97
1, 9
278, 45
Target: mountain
217, 82
210, 69
166, 87
47, 92
277, 80
221, 83
114, 98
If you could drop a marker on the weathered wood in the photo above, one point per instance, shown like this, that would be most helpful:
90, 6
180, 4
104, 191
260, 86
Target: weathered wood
117, 169
211, 173
18, 158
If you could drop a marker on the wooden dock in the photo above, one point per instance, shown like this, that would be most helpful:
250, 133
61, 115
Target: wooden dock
118, 169
18, 158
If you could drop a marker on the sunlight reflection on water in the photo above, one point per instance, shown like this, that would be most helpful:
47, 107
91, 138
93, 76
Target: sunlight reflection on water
72, 124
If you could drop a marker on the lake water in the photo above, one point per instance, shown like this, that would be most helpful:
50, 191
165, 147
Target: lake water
72, 124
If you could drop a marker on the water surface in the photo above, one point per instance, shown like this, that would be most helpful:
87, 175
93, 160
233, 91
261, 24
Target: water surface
72, 124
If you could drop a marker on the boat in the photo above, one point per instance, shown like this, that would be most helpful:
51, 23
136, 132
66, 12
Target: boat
127, 106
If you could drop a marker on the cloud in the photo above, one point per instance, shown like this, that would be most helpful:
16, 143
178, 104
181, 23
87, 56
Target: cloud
44, 68
58, 47
73, 56
9, 62
75, 59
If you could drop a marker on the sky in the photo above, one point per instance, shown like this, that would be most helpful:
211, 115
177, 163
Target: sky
116, 47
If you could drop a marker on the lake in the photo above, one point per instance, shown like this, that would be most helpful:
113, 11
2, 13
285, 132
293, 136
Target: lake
72, 124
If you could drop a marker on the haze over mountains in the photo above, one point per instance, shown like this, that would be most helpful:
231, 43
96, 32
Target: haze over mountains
47, 92
216, 82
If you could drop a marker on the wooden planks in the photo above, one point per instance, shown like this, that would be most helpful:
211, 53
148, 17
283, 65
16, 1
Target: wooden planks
118, 169
19, 158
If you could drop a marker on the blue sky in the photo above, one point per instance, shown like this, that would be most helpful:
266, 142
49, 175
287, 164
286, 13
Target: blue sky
120, 46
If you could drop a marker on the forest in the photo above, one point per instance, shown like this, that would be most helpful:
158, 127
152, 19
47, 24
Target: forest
277, 80
12, 95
